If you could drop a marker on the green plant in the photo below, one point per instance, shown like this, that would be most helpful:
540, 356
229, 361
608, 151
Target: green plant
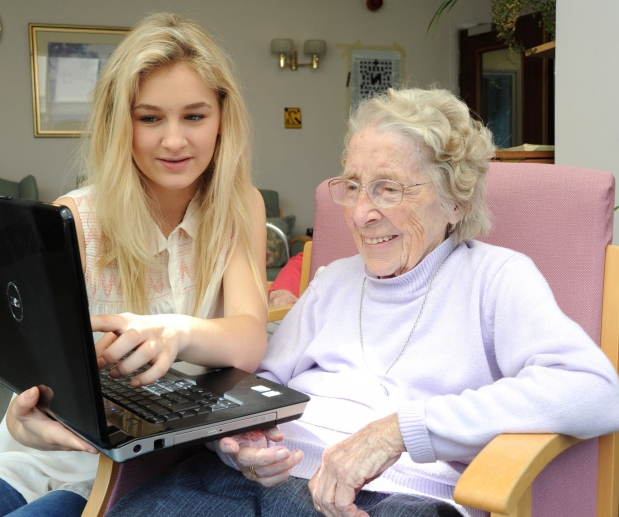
505, 13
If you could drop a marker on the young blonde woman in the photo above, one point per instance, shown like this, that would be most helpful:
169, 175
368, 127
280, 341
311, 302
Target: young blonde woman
172, 238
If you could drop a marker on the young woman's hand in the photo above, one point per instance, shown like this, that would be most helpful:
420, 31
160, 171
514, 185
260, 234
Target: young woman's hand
33, 428
154, 340
266, 465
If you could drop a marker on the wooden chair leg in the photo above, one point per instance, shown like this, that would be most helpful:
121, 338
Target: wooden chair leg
102, 488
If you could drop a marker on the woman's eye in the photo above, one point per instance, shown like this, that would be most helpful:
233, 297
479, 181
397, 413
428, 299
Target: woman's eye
194, 117
148, 119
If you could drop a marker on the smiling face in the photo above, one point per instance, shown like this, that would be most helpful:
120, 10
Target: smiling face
392, 240
176, 120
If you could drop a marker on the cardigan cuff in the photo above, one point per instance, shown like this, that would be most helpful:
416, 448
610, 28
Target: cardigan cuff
411, 417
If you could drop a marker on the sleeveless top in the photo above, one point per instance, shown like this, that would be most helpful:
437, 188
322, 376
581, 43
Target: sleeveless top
171, 290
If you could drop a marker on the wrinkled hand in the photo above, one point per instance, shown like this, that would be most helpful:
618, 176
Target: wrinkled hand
154, 340
349, 465
33, 428
281, 297
272, 465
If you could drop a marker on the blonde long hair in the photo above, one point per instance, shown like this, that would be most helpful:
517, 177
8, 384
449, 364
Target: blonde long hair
124, 210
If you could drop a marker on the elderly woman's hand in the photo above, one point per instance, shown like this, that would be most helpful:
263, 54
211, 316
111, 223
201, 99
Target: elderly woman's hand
269, 466
349, 465
281, 297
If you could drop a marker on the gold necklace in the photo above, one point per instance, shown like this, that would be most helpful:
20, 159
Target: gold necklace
423, 303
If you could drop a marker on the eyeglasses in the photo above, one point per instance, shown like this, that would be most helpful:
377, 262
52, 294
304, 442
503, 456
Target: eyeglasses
382, 193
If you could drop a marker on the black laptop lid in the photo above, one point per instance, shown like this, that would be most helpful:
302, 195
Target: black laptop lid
45, 336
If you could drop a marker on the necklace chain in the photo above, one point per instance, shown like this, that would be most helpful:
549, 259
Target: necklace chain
423, 303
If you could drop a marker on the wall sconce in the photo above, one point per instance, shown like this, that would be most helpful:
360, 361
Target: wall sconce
284, 49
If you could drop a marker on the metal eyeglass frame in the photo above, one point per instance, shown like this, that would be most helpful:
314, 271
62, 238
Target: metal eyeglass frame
363, 187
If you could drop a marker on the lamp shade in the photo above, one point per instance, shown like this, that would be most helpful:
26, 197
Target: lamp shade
315, 47
281, 46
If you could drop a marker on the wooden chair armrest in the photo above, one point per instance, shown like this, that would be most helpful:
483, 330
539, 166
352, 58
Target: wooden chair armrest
503, 472
300, 238
305, 267
107, 472
279, 311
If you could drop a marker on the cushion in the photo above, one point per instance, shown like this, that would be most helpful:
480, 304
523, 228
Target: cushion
276, 247
285, 224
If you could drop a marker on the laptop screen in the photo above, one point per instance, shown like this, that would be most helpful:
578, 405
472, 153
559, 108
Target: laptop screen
46, 338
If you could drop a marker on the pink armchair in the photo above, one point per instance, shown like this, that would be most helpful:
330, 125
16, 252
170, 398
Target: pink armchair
561, 217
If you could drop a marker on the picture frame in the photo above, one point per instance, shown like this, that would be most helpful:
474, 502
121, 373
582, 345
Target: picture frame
65, 63
371, 70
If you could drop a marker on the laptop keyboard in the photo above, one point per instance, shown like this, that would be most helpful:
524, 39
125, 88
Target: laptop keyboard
164, 400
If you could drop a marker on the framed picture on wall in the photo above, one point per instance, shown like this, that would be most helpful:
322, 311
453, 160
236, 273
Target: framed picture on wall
65, 64
372, 70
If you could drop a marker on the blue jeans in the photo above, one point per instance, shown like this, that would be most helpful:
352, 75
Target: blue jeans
59, 503
204, 486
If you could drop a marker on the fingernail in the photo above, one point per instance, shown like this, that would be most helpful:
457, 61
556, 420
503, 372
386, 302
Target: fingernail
135, 383
101, 363
30, 393
114, 373
298, 456
229, 449
282, 454
276, 432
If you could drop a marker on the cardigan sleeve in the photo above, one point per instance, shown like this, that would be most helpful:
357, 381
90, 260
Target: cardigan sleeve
284, 357
553, 378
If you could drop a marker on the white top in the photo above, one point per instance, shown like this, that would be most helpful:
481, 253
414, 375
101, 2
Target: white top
491, 353
32, 472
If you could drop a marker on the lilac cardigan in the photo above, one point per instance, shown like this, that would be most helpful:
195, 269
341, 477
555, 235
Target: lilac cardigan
492, 353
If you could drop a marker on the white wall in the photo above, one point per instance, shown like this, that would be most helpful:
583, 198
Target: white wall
290, 161
587, 79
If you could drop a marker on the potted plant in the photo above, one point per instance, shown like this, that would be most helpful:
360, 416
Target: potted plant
505, 13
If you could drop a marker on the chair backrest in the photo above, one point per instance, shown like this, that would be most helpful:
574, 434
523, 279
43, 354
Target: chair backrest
271, 202
9, 188
26, 188
561, 217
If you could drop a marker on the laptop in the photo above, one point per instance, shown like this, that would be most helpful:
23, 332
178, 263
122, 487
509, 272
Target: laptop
46, 340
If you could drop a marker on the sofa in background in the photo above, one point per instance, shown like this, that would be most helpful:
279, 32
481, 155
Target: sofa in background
26, 188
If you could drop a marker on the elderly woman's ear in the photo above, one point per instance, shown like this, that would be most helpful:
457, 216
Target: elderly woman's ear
456, 215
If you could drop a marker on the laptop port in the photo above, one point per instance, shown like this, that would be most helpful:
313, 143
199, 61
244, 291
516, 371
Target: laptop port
159, 443
137, 448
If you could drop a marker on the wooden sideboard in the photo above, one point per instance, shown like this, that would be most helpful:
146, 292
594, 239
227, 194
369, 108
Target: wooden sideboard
525, 156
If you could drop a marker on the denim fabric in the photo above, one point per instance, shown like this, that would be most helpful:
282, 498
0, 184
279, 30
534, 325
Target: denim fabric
10, 499
204, 486
59, 503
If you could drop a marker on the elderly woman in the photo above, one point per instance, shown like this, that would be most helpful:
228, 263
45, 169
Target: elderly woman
416, 352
